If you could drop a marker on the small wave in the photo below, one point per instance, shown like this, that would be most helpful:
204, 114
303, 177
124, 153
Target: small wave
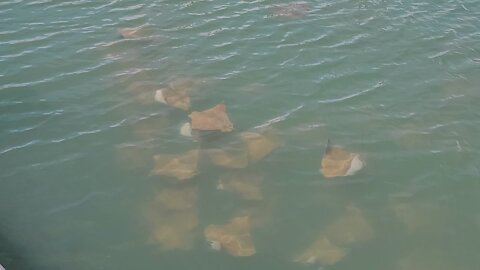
360, 93
280, 118
77, 203
12, 148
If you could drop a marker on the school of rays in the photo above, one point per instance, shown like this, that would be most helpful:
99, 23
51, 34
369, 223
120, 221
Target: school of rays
172, 215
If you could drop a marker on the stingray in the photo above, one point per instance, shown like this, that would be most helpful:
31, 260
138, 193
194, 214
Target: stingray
176, 98
176, 230
129, 32
322, 251
351, 227
292, 11
338, 162
177, 199
247, 185
181, 167
213, 119
419, 217
330, 246
229, 158
233, 237
177, 93
173, 216
260, 145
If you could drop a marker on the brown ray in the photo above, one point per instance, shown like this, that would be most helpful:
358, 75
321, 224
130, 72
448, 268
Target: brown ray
212, 119
419, 217
129, 32
247, 185
229, 158
322, 251
178, 98
234, 237
259, 145
330, 246
175, 230
181, 167
173, 217
292, 11
177, 93
349, 228
176, 199
338, 162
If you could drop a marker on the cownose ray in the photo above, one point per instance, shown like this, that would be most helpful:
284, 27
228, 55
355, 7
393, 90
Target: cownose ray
294, 10
233, 237
332, 243
418, 217
176, 230
229, 158
173, 217
129, 32
321, 251
259, 145
177, 93
213, 119
338, 162
181, 167
178, 98
351, 227
176, 198
247, 185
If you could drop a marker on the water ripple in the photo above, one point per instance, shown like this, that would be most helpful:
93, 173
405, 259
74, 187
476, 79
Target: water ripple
353, 95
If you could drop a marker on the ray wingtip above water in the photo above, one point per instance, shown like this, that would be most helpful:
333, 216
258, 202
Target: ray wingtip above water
337, 161
186, 130
159, 97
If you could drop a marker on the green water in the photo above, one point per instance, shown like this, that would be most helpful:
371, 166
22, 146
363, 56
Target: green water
395, 81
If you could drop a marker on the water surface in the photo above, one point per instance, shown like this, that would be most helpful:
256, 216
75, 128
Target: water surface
395, 81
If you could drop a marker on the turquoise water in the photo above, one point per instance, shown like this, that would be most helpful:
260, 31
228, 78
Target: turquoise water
395, 81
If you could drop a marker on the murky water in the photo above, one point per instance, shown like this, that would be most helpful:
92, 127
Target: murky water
396, 82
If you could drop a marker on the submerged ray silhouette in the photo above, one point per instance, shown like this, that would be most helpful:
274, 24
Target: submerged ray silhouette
129, 32
259, 145
229, 158
234, 237
292, 10
177, 93
181, 167
332, 243
247, 185
173, 217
